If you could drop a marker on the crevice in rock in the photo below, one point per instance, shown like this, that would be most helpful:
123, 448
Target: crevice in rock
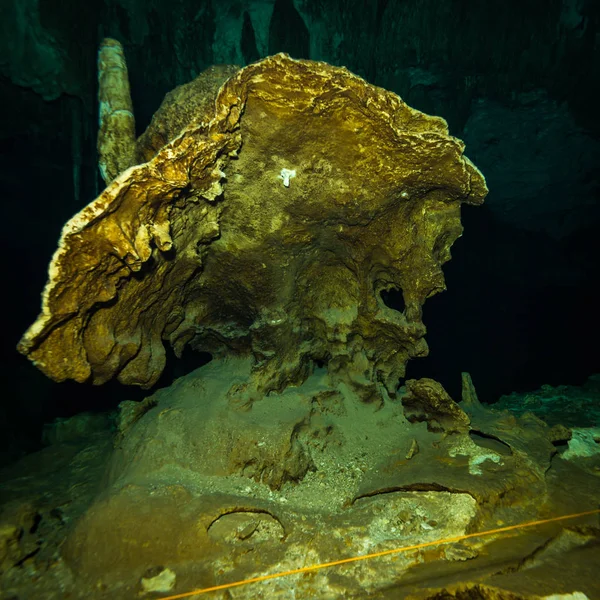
412, 487
491, 442
178, 366
559, 544
36, 523
27, 556
241, 524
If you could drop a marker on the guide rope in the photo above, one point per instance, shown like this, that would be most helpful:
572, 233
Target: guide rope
344, 561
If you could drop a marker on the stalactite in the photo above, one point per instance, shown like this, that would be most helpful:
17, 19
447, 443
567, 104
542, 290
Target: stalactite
116, 135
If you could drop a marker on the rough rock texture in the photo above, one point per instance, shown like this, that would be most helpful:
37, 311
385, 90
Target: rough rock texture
568, 405
427, 400
187, 106
16, 523
489, 53
475, 592
202, 490
116, 135
217, 491
338, 191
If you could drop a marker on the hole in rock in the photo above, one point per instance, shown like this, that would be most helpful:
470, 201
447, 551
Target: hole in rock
393, 299
491, 442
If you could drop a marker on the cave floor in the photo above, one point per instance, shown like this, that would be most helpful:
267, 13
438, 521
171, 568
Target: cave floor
47, 491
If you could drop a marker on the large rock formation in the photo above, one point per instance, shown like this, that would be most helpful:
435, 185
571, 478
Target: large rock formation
116, 134
272, 219
270, 227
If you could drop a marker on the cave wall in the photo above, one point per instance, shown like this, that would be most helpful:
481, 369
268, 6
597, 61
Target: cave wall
519, 81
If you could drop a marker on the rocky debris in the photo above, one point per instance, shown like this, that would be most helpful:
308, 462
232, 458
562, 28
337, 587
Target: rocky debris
568, 405
478, 591
426, 400
413, 450
583, 443
559, 434
130, 412
272, 456
158, 580
174, 494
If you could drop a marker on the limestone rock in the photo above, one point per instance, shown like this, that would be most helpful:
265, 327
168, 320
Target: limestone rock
277, 458
290, 275
559, 434
473, 591
428, 401
17, 520
583, 443
172, 499
130, 412
567, 405
469, 393
158, 580
10, 552
187, 106
116, 136
214, 438
477, 591
245, 527
413, 450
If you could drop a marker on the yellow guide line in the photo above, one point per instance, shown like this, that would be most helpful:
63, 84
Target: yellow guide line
344, 561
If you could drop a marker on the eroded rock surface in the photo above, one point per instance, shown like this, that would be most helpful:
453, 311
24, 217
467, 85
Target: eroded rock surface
187, 106
199, 475
271, 230
268, 227
116, 134
427, 401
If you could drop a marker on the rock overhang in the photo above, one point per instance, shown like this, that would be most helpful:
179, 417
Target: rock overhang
269, 228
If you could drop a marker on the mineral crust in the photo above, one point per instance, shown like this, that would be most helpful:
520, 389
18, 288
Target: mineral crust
269, 228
